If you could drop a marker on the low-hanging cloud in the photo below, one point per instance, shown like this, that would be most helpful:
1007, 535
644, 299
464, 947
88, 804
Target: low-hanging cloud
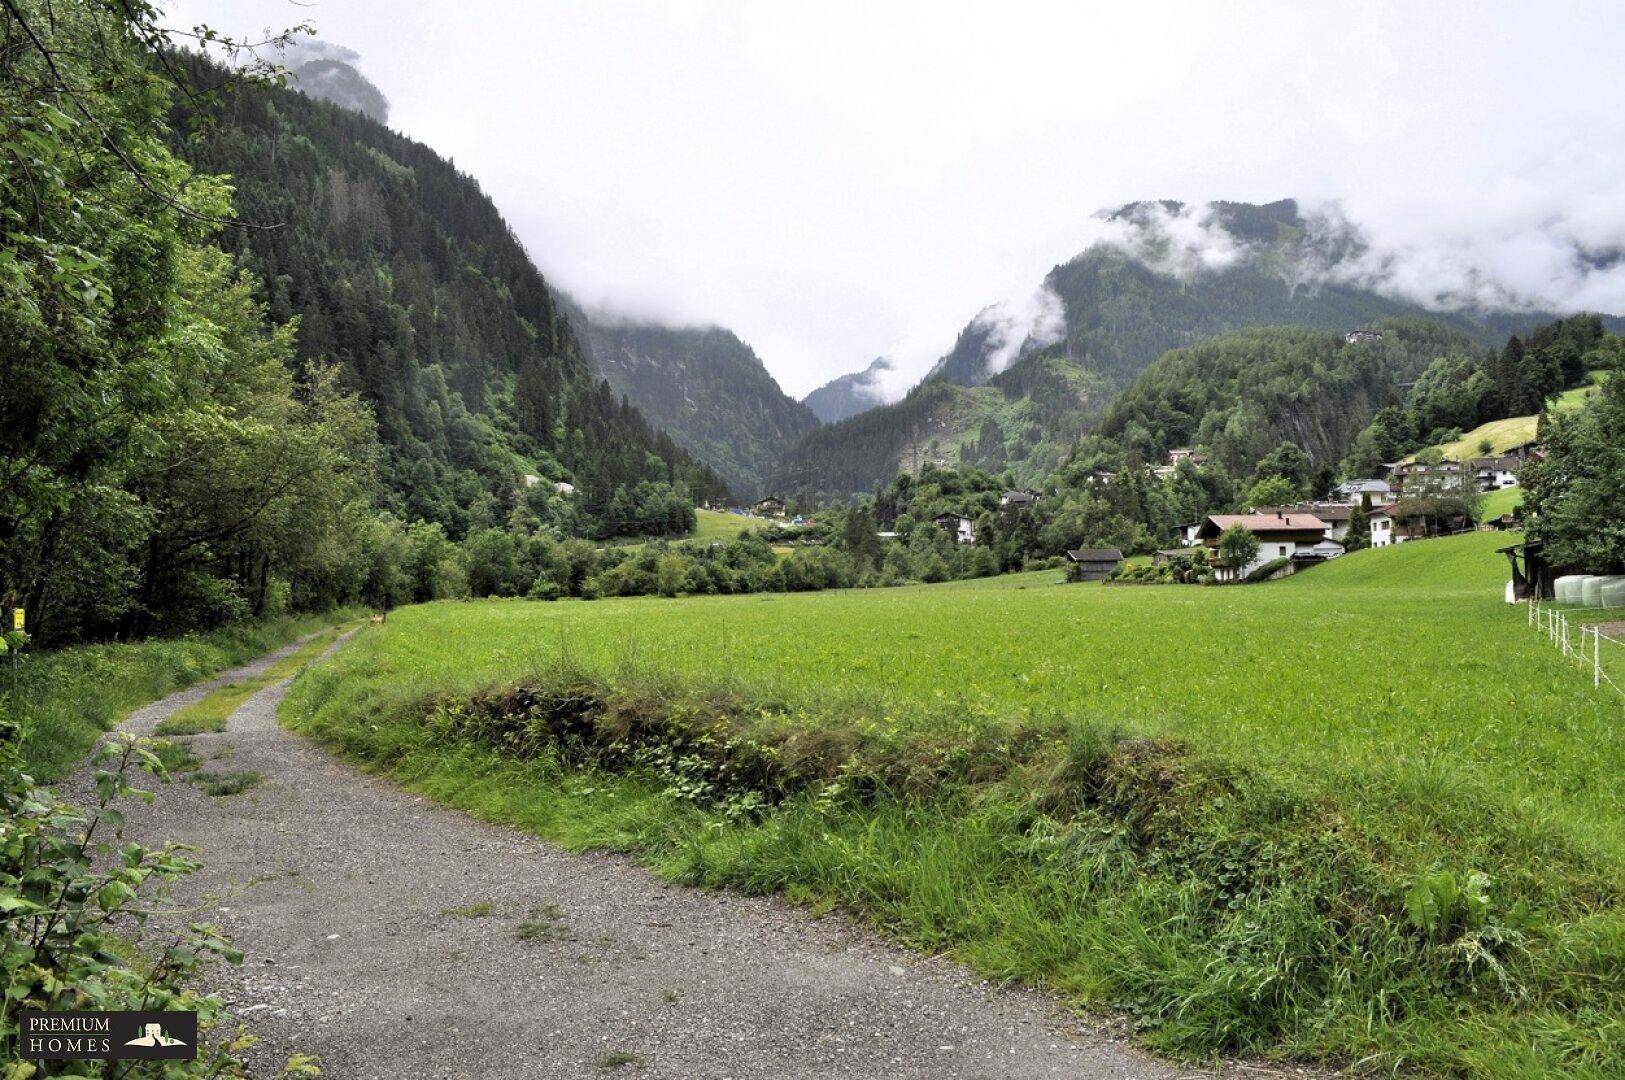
1014, 327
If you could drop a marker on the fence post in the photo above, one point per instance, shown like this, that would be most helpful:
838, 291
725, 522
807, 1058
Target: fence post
1596, 656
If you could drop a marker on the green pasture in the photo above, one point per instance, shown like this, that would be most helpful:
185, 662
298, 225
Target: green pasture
1421, 797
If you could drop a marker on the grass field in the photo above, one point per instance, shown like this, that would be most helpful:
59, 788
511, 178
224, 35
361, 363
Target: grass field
1496, 503
1252, 818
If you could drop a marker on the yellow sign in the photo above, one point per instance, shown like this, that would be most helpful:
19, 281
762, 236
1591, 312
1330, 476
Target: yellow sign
17, 615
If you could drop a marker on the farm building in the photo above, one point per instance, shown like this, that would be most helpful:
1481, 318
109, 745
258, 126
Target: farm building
772, 506
958, 526
1280, 534
1092, 564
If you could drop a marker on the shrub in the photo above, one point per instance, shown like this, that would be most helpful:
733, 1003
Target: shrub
64, 883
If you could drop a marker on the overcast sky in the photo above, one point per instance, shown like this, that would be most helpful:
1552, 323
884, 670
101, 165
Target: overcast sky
838, 181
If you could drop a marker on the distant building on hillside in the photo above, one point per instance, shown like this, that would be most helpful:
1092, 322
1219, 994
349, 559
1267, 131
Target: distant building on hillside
772, 506
1433, 477
1280, 534
1356, 337
1017, 500
958, 526
1092, 564
1495, 473
1185, 453
1351, 491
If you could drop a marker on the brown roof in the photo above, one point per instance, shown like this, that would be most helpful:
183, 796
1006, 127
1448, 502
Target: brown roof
1281, 521
1327, 512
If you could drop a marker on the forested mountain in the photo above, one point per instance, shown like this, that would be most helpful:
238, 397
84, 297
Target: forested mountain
401, 270
704, 387
1241, 394
1170, 279
849, 394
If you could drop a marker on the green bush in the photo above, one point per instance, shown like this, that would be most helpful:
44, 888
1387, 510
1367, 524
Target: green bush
65, 883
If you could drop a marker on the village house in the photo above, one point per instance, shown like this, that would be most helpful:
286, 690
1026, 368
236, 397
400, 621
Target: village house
1495, 473
1335, 515
1351, 491
1187, 533
1356, 337
1185, 453
1426, 476
1280, 534
1017, 499
1382, 527
958, 526
1092, 564
772, 506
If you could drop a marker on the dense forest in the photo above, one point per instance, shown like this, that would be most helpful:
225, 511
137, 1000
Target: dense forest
224, 398
400, 270
1241, 394
704, 387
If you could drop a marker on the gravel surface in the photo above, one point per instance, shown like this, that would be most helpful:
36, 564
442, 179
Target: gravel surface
396, 938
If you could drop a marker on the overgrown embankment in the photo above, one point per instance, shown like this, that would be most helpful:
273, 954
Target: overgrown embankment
1222, 910
62, 701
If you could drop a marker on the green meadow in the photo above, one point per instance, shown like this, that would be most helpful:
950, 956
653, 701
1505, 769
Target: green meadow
1362, 815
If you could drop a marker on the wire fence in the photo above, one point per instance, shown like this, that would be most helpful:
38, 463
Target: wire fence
1593, 638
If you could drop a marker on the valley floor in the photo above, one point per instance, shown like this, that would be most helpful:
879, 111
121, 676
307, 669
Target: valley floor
393, 938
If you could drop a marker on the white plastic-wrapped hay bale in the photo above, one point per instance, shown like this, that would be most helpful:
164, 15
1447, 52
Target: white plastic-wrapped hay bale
1591, 590
1611, 593
1566, 589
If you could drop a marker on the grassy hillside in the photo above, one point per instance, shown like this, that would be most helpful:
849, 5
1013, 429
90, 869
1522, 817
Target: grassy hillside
1250, 817
1503, 435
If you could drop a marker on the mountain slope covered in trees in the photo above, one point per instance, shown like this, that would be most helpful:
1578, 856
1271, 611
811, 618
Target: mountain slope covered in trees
705, 388
401, 270
1121, 306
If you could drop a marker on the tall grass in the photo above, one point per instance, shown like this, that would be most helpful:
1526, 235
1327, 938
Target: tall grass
1358, 816
62, 701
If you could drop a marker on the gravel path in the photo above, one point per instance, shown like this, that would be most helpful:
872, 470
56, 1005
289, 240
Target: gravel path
383, 933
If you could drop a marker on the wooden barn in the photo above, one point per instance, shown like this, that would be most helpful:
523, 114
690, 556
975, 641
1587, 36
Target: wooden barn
1092, 564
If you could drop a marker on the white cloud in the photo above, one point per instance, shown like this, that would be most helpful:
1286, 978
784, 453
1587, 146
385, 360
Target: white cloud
839, 181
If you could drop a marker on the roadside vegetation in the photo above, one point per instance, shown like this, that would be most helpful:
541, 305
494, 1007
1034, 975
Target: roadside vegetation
211, 712
1358, 816
61, 702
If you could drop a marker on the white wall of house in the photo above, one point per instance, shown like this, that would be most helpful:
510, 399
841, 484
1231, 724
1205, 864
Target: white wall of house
1268, 551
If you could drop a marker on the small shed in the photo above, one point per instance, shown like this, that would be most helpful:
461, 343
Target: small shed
1093, 564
